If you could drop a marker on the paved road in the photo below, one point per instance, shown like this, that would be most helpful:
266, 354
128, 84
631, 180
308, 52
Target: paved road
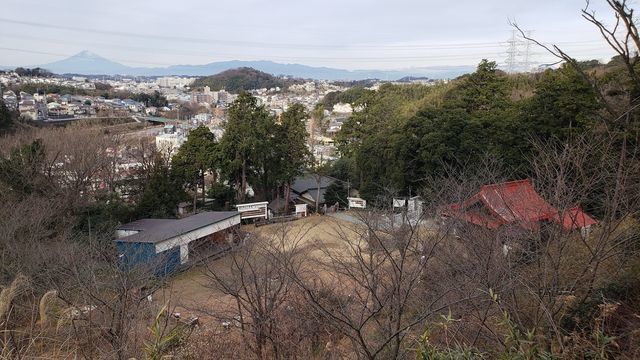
346, 216
385, 221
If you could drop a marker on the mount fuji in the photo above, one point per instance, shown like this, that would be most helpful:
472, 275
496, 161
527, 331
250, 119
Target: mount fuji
88, 63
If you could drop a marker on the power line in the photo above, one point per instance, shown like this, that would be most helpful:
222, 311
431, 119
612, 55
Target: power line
165, 38
228, 42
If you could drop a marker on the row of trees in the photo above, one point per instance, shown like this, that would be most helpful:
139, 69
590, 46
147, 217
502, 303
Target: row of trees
256, 150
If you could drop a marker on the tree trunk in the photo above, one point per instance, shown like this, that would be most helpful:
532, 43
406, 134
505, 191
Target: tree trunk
318, 180
203, 190
287, 196
278, 199
243, 185
195, 199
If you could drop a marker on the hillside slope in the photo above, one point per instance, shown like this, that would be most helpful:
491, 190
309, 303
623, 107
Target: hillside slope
237, 80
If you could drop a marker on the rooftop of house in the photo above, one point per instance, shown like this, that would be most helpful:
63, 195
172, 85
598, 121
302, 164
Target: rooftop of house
310, 182
157, 230
308, 185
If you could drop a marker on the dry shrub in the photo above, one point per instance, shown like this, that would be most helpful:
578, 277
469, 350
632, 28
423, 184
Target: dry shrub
50, 307
208, 343
19, 286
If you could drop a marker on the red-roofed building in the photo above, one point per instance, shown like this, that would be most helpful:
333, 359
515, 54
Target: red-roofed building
515, 203
575, 218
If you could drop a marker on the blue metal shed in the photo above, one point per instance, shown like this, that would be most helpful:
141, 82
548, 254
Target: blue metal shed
161, 246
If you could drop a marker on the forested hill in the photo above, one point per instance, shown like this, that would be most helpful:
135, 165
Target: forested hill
237, 80
403, 135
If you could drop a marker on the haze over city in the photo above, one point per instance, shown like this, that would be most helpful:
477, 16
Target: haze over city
339, 34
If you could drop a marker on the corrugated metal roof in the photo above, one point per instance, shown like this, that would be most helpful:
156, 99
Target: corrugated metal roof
144, 224
158, 230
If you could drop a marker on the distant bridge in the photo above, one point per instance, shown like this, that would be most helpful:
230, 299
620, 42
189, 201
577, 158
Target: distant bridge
140, 119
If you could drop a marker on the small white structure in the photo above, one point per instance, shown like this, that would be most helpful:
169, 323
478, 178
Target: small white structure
398, 203
342, 108
253, 210
168, 144
357, 203
414, 205
301, 210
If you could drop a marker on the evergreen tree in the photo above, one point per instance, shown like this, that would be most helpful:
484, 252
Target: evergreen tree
243, 140
194, 158
23, 170
6, 120
162, 193
293, 153
336, 193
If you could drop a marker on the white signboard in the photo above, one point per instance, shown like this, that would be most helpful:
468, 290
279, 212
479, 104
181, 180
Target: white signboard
253, 210
399, 203
357, 203
301, 209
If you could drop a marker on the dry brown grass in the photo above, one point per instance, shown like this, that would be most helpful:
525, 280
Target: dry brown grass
192, 294
18, 286
49, 307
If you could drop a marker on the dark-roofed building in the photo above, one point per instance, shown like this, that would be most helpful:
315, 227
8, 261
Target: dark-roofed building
166, 244
305, 188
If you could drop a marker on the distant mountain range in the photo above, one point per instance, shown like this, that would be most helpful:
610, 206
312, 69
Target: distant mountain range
87, 63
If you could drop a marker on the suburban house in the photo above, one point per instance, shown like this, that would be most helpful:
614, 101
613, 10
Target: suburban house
305, 189
515, 203
164, 245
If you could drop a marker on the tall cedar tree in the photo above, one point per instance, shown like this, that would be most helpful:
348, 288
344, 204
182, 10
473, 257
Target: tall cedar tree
295, 155
194, 158
243, 140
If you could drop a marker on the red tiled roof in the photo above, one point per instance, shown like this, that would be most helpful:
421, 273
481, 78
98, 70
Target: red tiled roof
575, 218
515, 202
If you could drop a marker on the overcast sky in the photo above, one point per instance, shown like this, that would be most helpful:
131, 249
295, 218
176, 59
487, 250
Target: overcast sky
351, 34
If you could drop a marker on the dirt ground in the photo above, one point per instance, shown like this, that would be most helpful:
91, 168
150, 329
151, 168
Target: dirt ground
190, 293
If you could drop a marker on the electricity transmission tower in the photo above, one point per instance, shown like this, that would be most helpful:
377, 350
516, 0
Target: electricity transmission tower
519, 53
512, 53
526, 61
